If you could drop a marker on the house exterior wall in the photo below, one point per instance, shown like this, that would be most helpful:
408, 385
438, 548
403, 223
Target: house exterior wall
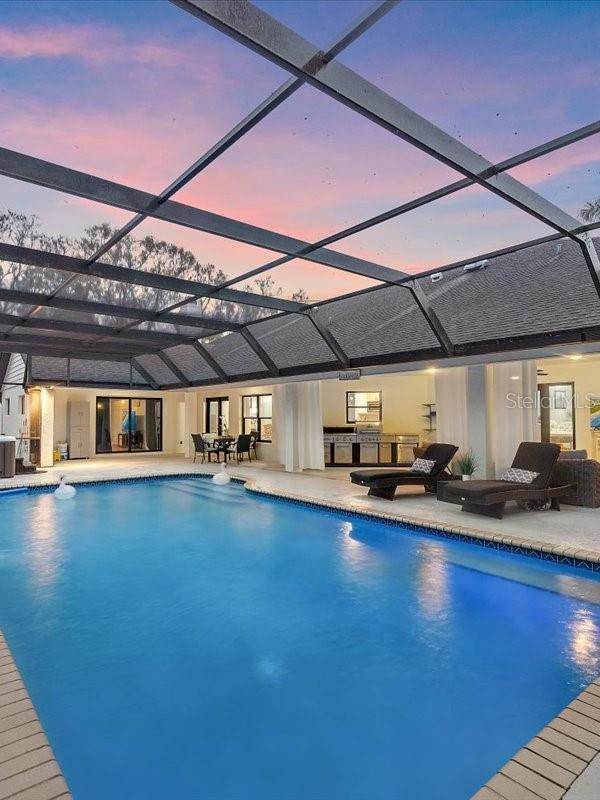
402, 397
171, 401
13, 422
266, 451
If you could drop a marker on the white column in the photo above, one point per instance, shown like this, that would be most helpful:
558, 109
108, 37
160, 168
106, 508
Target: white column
46, 427
514, 412
190, 422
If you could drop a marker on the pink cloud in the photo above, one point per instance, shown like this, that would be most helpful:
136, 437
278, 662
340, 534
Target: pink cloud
92, 43
547, 168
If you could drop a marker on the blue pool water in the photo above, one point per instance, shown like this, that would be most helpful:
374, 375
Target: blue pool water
185, 641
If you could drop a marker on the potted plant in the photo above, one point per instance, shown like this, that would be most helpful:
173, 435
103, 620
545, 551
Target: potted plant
466, 464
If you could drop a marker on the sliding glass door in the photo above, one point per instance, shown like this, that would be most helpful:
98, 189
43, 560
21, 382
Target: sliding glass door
128, 425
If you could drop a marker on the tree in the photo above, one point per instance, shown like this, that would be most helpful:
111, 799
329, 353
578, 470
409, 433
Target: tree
146, 253
591, 211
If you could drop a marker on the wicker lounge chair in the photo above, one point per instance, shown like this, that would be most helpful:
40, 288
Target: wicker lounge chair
490, 497
383, 483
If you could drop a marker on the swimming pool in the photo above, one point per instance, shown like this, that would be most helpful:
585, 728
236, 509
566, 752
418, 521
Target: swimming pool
182, 640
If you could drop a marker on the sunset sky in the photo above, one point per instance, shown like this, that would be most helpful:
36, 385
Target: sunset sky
136, 91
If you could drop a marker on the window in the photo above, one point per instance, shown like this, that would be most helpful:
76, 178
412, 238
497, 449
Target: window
128, 425
22, 404
8, 405
363, 407
257, 415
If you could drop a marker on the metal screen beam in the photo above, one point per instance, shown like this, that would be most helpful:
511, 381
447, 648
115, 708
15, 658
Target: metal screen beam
286, 90
212, 363
157, 339
262, 110
140, 277
273, 40
205, 325
437, 194
174, 368
66, 345
67, 351
591, 259
515, 248
81, 184
331, 342
144, 373
431, 317
260, 352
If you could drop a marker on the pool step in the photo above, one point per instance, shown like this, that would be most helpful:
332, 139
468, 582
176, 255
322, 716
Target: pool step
208, 490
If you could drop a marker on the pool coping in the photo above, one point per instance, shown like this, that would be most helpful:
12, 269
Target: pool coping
28, 767
547, 767
538, 770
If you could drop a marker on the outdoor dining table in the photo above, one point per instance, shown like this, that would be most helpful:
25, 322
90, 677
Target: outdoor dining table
222, 443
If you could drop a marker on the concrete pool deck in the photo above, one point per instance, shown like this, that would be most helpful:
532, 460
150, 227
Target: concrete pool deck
563, 761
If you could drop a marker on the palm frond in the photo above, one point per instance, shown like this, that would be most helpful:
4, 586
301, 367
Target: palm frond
591, 211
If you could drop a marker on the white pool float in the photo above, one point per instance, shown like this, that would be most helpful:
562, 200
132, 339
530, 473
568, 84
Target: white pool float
65, 491
222, 477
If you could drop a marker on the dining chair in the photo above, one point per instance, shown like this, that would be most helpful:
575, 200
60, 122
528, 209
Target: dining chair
206, 449
239, 447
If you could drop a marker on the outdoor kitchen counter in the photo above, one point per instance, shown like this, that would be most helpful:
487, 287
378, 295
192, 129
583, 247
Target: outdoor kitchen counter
368, 448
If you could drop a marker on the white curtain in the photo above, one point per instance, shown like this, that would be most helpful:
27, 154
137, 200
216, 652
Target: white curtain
279, 423
514, 414
310, 426
451, 406
298, 425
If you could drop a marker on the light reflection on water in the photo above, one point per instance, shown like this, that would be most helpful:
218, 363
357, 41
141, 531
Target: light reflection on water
44, 551
355, 554
584, 641
433, 592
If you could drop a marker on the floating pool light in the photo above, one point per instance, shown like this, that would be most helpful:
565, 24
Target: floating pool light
65, 491
222, 477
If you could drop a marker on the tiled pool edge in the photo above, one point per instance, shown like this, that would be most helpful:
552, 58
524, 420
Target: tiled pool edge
28, 768
560, 554
547, 767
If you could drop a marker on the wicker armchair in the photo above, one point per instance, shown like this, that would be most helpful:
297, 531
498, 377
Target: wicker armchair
584, 474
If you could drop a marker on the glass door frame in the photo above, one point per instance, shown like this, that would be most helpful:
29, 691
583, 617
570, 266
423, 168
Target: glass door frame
220, 400
544, 394
129, 451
